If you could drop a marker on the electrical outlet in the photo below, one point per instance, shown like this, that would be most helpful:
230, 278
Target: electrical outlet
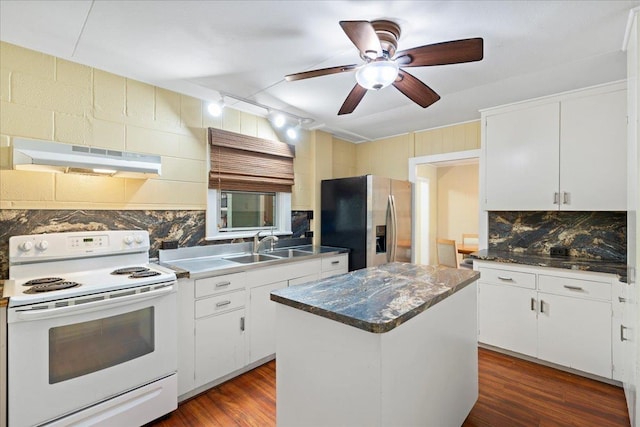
559, 251
169, 244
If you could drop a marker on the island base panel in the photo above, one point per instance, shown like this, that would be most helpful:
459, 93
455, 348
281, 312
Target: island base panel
424, 372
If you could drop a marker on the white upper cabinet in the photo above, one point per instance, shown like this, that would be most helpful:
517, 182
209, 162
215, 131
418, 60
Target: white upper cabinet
593, 152
564, 152
522, 158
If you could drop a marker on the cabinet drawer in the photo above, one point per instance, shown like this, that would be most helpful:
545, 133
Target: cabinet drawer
574, 287
335, 263
218, 284
508, 277
219, 304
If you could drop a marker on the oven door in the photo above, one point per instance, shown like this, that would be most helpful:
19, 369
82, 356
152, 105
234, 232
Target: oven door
63, 359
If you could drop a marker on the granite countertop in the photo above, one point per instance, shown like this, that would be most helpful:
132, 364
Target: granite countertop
377, 299
541, 260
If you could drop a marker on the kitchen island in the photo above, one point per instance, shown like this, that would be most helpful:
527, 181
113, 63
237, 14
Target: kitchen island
393, 345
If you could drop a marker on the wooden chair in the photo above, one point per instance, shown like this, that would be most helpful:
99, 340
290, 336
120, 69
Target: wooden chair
447, 252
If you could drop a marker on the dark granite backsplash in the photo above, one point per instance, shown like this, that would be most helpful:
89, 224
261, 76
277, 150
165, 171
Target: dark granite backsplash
187, 227
599, 235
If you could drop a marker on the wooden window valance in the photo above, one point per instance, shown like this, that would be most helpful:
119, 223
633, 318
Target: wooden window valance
246, 163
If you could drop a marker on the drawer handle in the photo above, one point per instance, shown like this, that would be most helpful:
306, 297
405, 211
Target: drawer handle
556, 198
541, 306
622, 328
621, 299
573, 288
533, 304
222, 284
506, 279
335, 262
223, 303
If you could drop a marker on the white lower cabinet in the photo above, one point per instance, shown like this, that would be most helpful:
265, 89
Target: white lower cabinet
576, 333
263, 321
558, 316
496, 304
227, 322
219, 346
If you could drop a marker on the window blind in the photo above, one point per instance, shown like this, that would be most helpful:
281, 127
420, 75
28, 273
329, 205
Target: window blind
246, 163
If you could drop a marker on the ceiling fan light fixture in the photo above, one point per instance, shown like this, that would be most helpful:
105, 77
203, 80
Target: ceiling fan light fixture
377, 74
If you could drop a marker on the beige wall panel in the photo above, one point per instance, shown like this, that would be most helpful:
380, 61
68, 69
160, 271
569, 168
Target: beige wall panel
21, 120
108, 96
5, 85
248, 124
388, 157
71, 129
304, 149
5, 152
73, 74
49, 95
160, 193
88, 188
167, 109
175, 169
472, 135
190, 112
302, 192
323, 167
458, 205
193, 147
151, 141
428, 142
140, 103
35, 63
26, 185
105, 134
208, 121
265, 130
231, 120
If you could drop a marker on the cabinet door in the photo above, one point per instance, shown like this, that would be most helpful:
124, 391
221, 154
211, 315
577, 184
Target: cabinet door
219, 348
593, 152
186, 334
507, 317
575, 332
522, 158
262, 323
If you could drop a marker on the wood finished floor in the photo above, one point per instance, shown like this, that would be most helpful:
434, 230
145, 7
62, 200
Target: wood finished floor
513, 393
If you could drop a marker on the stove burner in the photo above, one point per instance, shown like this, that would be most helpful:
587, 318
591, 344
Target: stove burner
42, 281
56, 286
147, 273
130, 270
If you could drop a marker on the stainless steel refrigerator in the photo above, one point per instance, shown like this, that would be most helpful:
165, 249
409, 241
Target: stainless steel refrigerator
371, 215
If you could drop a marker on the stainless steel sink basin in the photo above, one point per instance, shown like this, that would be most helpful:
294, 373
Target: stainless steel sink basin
251, 258
288, 253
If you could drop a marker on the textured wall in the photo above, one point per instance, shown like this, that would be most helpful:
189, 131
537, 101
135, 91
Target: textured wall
601, 235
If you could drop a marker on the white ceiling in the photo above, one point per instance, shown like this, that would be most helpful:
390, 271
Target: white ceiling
245, 48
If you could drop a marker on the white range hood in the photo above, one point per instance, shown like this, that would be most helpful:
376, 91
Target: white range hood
58, 157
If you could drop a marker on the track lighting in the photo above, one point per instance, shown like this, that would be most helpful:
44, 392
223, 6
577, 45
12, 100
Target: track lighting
216, 108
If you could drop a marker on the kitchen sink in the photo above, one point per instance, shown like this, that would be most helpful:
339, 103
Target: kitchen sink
251, 258
288, 253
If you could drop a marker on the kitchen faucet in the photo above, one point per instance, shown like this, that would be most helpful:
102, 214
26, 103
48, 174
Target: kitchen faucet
257, 243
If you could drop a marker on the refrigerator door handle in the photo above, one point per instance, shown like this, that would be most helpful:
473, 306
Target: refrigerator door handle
394, 229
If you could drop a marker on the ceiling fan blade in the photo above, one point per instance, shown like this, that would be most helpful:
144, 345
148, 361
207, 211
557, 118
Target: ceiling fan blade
452, 52
415, 90
320, 72
362, 34
353, 99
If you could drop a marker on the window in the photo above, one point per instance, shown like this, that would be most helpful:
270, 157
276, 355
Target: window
250, 183
246, 210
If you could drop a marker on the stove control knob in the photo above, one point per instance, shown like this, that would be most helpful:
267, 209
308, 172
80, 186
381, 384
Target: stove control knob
26, 246
42, 245
128, 240
139, 239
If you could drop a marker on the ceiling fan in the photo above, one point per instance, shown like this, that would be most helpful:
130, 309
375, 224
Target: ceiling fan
377, 42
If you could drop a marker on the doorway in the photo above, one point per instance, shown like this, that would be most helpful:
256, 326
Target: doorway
449, 212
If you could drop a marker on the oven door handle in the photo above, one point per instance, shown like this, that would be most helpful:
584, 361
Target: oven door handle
26, 315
